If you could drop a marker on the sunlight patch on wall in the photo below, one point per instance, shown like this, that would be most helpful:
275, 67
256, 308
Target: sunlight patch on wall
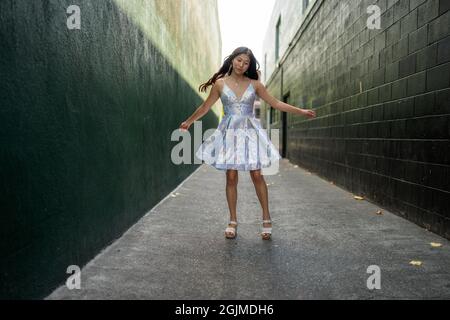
186, 33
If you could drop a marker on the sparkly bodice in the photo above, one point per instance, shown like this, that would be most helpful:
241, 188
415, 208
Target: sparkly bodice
233, 106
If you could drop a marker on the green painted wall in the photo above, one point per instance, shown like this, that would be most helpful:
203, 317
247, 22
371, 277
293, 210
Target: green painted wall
85, 123
382, 99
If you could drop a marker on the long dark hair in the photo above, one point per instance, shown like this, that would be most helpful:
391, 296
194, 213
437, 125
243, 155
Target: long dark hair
252, 71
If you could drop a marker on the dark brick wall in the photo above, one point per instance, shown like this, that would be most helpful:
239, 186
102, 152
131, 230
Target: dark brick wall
382, 101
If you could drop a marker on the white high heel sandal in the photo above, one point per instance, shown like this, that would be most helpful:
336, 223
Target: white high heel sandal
232, 230
266, 231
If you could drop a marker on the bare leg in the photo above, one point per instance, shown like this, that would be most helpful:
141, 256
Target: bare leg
262, 193
231, 191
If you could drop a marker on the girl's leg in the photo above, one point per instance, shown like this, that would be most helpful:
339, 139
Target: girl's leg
262, 193
231, 191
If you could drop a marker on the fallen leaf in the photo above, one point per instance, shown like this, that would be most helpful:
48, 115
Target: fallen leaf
358, 198
436, 245
415, 263
296, 166
379, 212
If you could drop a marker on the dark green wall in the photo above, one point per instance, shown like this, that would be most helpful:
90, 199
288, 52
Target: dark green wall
382, 99
85, 123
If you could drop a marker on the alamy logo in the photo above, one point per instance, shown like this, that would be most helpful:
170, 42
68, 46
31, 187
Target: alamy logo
74, 20
374, 20
74, 281
374, 281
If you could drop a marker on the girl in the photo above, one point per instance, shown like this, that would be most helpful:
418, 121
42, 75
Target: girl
237, 84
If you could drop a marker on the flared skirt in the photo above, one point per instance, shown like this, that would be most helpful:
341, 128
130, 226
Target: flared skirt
238, 143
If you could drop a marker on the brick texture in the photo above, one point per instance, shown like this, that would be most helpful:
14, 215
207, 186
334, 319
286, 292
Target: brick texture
382, 101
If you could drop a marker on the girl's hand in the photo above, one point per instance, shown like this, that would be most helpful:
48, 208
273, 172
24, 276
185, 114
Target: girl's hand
309, 113
185, 126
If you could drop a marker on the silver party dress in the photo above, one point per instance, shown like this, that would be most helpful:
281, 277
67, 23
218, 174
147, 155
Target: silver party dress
239, 142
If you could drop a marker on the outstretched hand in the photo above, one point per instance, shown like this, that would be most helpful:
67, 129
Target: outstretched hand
309, 113
184, 126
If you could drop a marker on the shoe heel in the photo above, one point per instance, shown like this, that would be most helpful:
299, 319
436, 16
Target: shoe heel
266, 233
232, 229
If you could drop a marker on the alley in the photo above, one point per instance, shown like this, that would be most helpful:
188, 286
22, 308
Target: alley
323, 242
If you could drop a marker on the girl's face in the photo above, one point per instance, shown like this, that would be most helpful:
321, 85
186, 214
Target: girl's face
241, 63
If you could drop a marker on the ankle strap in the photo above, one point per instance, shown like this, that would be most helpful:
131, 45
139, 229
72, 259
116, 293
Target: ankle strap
232, 222
267, 221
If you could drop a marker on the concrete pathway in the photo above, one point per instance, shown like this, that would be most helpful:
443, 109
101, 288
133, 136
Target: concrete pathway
323, 242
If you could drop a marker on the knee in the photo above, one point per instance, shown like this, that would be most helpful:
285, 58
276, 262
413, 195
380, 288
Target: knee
256, 176
232, 179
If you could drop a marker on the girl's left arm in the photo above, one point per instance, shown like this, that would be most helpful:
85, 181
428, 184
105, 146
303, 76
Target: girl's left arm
262, 92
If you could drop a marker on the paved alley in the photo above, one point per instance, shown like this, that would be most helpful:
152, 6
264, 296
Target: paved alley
323, 242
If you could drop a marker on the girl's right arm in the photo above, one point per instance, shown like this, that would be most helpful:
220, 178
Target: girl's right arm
203, 109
